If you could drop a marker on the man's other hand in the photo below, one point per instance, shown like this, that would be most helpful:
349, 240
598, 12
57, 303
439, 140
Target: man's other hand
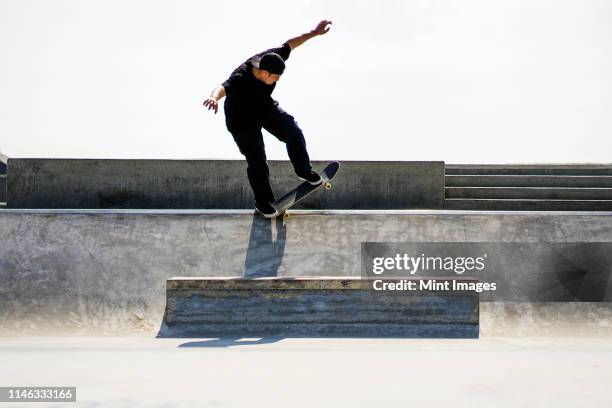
322, 28
211, 103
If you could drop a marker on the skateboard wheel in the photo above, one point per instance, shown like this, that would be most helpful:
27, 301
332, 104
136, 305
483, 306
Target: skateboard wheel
285, 214
328, 186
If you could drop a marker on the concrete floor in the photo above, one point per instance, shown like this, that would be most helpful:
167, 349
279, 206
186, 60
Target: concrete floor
279, 372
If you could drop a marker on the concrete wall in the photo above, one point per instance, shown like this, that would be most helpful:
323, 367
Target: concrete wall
3, 160
106, 270
2, 188
199, 184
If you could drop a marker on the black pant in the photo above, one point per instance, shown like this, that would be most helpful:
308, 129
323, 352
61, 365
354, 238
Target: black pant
250, 142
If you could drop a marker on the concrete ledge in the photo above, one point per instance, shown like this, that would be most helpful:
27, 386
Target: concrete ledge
314, 307
220, 184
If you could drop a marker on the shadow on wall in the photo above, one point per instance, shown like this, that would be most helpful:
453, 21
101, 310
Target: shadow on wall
265, 252
263, 258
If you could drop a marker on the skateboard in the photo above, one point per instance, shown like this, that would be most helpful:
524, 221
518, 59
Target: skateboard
305, 189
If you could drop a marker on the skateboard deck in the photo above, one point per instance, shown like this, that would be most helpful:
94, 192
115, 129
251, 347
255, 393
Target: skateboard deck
305, 189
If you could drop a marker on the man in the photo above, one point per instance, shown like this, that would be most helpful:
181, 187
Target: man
249, 107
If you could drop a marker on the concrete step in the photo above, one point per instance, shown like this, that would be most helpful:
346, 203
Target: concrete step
551, 193
527, 205
315, 307
529, 169
527, 181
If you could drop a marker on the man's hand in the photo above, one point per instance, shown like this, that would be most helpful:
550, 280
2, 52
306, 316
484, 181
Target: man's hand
212, 103
322, 28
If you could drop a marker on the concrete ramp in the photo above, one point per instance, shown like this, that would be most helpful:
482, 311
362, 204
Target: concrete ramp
105, 271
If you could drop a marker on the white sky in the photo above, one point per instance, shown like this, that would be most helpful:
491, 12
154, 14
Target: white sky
470, 81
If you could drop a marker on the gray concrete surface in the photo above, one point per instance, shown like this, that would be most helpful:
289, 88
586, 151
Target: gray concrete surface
97, 271
545, 319
140, 372
317, 307
215, 184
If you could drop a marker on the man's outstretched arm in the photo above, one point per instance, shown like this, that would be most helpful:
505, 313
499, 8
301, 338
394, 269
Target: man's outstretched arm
212, 102
320, 29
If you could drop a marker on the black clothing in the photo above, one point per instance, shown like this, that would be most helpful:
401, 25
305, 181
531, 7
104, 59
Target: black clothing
247, 98
251, 144
249, 107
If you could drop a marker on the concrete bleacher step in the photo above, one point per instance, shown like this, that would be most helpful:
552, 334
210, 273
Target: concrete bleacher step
550, 193
545, 187
529, 169
527, 205
527, 181
314, 307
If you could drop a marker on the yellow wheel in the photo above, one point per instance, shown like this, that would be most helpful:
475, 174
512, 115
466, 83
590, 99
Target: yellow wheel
328, 186
285, 215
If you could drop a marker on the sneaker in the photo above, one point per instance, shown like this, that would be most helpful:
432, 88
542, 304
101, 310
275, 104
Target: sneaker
313, 178
266, 210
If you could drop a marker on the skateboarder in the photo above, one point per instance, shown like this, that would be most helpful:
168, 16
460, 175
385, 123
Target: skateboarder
249, 107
